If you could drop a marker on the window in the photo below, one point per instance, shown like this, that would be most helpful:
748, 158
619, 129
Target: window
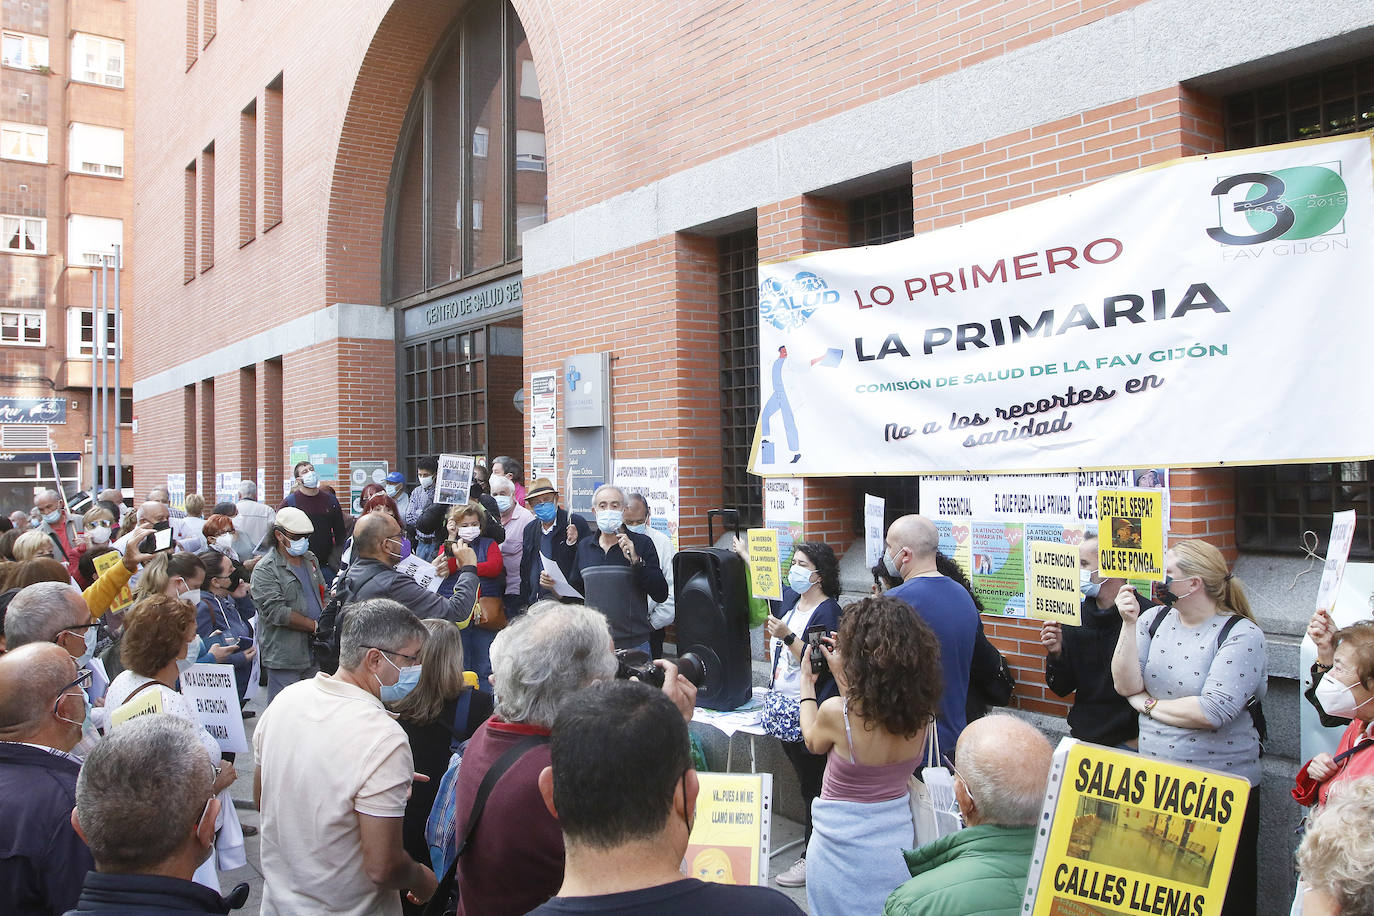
81, 334
98, 60
207, 208
1339, 100
188, 225
22, 328
529, 81
480, 138
272, 154
248, 173
738, 285
26, 142
529, 151
25, 52
90, 239
25, 235
96, 150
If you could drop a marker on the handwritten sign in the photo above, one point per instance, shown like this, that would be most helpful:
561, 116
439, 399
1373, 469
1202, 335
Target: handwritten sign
1130, 534
763, 563
212, 694
1053, 583
1337, 552
874, 507
103, 563
730, 835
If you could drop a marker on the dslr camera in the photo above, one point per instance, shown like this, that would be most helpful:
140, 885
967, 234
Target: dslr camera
632, 663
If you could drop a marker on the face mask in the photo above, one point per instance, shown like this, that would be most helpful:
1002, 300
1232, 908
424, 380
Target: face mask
191, 596
1338, 699
799, 579
609, 520
504, 503
1086, 584
85, 716
193, 650
392, 489
310, 480
426, 482
639, 529
298, 546
469, 532
224, 541
53, 517
99, 536
890, 564
409, 677
397, 553
545, 512
88, 635
1161, 592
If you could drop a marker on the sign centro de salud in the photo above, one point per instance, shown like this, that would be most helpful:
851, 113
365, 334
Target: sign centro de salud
33, 410
488, 300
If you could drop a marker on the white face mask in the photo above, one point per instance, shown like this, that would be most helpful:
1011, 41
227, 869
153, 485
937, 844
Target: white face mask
426, 482
1338, 699
310, 480
225, 541
99, 536
469, 532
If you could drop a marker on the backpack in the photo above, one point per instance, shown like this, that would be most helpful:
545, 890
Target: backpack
324, 644
1254, 705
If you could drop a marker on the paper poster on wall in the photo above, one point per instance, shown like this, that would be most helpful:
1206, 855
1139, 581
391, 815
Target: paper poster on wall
784, 510
1337, 553
360, 474
730, 836
227, 486
102, 563
1133, 834
956, 541
323, 453
454, 484
176, 491
874, 533
1066, 497
764, 569
1130, 534
262, 485
999, 573
542, 416
211, 691
1052, 583
656, 480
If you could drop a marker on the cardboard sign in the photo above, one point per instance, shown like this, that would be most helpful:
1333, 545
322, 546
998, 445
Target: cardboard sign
1132, 834
101, 564
1053, 583
763, 563
211, 693
1130, 534
146, 703
1337, 552
730, 835
874, 507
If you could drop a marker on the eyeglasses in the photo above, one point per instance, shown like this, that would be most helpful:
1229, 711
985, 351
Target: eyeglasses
83, 680
99, 523
413, 659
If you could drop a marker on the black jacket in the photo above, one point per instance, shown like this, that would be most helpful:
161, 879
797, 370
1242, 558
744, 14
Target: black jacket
1084, 668
563, 555
42, 860
151, 895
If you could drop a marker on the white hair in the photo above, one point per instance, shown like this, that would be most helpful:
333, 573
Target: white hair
608, 486
248, 489
1005, 764
1337, 854
500, 483
544, 656
40, 611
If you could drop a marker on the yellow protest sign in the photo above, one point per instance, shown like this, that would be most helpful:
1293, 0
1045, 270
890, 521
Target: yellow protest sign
101, 564
1053, 583
1134, 834
147, 702
1130, 534
764, 565
729, 841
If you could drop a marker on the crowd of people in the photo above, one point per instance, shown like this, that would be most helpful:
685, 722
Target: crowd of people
469, 748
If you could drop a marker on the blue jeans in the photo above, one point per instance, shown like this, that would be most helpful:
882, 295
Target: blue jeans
477, 654
426, 550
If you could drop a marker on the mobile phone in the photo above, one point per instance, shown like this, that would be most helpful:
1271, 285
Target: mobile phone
813, 636
160, 539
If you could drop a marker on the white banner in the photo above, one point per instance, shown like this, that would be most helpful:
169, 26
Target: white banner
656, 480
212, 694
1186, 315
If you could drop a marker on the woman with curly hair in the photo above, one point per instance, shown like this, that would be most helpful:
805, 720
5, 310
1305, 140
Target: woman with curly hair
886, 664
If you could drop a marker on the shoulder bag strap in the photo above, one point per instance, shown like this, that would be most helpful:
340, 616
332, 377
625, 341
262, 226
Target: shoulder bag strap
1158, 621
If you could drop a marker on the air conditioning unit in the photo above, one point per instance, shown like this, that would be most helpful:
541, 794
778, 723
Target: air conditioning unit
24, 437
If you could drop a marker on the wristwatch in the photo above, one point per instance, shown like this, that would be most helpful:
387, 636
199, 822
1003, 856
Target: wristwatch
1150, 707
789, 639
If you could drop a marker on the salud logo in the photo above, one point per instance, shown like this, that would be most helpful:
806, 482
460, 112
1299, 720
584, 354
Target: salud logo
790, 304
1302, 202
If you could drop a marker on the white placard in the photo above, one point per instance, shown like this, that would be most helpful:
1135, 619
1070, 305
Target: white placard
656, 480
874, 506
1065, 334
1337, 552
454, 484
542, 416
213, 696
421, 571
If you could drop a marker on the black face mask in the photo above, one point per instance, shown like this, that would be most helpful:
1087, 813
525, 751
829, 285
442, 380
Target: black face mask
1161, 593
235, 580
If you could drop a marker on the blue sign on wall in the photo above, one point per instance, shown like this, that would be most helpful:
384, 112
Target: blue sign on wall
33, 410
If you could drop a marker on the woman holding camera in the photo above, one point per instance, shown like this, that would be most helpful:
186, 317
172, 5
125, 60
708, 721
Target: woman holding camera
886, 664
808, 600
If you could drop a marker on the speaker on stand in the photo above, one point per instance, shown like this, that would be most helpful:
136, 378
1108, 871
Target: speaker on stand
711, 593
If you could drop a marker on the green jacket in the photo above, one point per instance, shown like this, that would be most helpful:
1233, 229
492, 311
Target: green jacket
979, 869
276, 592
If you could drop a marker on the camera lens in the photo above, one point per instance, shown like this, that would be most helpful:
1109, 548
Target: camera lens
693, 668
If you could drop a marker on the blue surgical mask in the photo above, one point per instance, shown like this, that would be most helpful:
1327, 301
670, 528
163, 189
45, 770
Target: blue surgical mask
409, 677
639, 529
610, 520
1087, 585
298, 547
891, 565
34, 521
310, 480
504, 502
392, 489
53, 517
194, 648
546, 512
800, 579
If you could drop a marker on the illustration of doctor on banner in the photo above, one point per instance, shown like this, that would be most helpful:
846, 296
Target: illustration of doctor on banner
787, 306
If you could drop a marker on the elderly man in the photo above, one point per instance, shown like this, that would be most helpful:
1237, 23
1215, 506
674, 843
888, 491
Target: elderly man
153, 514
661, 613
1004, 765
372, 574
542, 658
619, 571
554, 534
60, 529
333, 776
254, 519
910, 548
141, 805
42, 707
51, 612
161, 495
289, 593
514, 518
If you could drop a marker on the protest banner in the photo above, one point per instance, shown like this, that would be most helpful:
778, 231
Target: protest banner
730, 835
874, 530
784, 510
1337, 553
1132, 834
1130, 534
764, 569
1065, 498
1053, 583
212, 694
656, 480
454, 483
956, 541
102, 563
1035, 339
146, 703
998, 572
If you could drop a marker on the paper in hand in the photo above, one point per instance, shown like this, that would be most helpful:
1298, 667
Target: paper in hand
560, 582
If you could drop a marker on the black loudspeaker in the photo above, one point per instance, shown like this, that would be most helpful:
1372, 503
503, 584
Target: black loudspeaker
711, 592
